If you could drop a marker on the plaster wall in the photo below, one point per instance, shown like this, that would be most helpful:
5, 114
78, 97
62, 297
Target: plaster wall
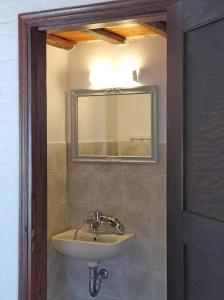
57, 67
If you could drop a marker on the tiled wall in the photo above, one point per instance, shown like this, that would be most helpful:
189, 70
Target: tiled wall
57, 219
135, 193
122, 148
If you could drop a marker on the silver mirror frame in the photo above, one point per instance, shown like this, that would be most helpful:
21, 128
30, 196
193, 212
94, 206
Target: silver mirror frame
75, 94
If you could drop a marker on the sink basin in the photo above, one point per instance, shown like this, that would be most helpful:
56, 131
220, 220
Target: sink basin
84, 247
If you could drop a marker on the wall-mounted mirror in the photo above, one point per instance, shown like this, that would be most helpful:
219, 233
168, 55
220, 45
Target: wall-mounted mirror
117, 125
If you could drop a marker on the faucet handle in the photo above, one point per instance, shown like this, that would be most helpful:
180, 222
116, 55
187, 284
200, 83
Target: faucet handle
96, 215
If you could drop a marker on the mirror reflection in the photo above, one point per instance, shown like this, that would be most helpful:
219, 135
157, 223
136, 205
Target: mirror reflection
115, 124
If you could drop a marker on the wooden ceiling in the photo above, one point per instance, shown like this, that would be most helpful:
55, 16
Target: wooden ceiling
116, 34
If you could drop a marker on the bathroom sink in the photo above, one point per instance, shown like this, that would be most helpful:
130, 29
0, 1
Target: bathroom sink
84, 247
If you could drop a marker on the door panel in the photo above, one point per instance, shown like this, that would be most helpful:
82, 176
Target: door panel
204, 121
201, 11
203, 233
208, 270
196, 151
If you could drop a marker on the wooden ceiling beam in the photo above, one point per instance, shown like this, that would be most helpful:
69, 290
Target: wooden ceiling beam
158, 27
108, 36
59, 42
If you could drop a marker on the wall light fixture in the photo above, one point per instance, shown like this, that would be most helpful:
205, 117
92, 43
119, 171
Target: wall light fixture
104, 74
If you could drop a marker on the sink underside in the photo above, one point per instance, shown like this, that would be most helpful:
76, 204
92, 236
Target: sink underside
84, 247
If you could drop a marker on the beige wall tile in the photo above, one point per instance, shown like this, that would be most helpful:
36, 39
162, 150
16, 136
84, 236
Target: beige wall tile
62, 296
137, 285
78, 279
138, 256
88, 167
50, 221
56, 158
61, 217
158, 223
107, 189
109, 209
148, 168
135, 190
57, 281
136, 193
77, 276
81, 187
137, 220
145, 285
158, 255
54, 257
57, 189
58, 219
157, 185
76, 295
79, 211
158, 286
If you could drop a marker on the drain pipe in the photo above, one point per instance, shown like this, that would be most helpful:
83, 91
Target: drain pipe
95, 279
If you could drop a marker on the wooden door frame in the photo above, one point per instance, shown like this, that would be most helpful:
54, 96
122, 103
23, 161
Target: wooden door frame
33, 125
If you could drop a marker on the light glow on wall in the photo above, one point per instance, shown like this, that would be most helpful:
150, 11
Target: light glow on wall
106, 74
101, 75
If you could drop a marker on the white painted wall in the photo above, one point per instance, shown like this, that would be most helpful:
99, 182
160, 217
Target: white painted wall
149, 54
9, 135
57, 81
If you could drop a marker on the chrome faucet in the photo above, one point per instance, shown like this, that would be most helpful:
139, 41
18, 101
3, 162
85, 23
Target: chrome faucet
97, 220
94, 223
114, 222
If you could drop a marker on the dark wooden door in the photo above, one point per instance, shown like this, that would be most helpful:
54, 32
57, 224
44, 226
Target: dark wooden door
196, 150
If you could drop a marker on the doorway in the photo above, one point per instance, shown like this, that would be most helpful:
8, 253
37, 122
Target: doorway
111, 117
33, 35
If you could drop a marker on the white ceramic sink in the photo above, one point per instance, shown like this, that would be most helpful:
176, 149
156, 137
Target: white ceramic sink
84, 247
